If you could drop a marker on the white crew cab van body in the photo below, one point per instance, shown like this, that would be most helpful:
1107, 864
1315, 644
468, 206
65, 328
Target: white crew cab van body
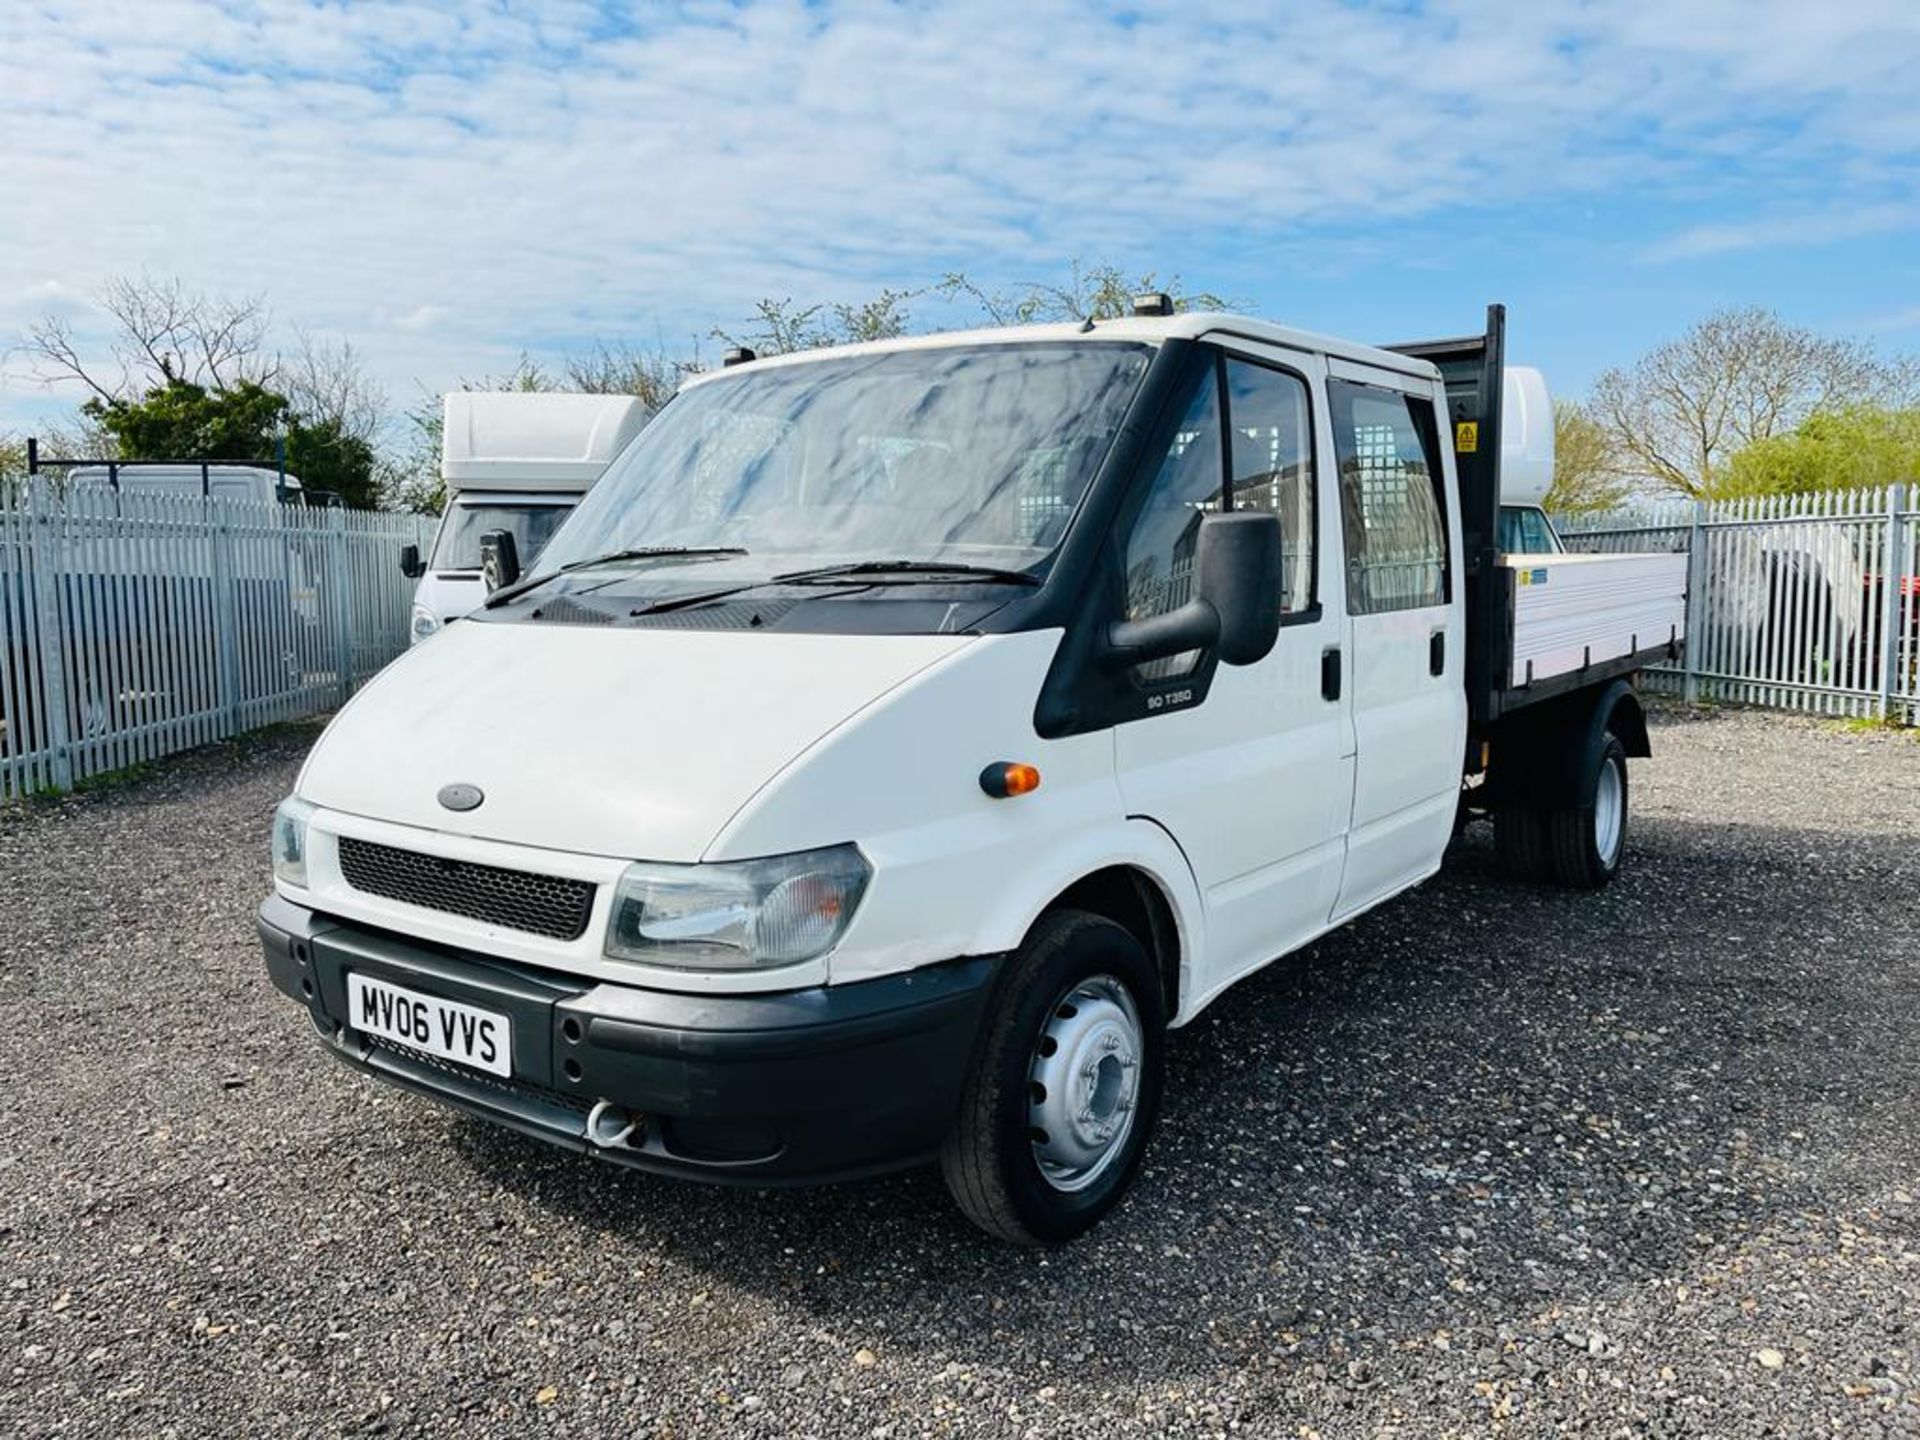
513, 461
901, 739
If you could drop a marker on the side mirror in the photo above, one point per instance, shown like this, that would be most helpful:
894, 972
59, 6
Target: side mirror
1235, 607
499, 559
410, 565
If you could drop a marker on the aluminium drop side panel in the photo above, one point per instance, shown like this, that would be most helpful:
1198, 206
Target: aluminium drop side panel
1573, 611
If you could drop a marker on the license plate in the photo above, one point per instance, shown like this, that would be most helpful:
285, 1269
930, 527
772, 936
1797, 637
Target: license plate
445, 1029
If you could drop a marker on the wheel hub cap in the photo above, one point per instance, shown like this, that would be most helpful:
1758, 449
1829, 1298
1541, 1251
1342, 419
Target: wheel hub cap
1609, 812
1084, 1082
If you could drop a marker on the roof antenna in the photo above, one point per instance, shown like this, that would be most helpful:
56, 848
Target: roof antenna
1086, 325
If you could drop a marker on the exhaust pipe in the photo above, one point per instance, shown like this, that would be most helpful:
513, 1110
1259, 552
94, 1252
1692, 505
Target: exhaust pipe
614, 1127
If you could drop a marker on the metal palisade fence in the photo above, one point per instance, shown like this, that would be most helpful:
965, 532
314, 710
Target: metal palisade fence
134, 623
1803, 602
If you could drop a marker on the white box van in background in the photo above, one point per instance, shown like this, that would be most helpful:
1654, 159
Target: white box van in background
517, 462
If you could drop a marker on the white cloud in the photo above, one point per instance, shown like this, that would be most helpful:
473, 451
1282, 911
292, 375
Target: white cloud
1768, 232
421, 317
1905, 318
450, 184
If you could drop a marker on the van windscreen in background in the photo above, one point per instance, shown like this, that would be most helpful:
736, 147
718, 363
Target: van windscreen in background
458, 546
974, 454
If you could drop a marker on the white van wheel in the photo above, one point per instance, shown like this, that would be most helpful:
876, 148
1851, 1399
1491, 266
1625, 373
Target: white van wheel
1084, 1082
1064, 1085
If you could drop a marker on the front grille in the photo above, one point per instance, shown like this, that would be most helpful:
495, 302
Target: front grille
538, 904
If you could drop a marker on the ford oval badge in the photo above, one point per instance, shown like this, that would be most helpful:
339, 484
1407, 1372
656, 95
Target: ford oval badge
461, 797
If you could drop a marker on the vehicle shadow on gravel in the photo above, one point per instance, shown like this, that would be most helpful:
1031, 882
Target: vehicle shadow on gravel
1481, 1105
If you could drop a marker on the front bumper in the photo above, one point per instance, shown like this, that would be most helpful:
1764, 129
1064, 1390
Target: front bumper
826, 1083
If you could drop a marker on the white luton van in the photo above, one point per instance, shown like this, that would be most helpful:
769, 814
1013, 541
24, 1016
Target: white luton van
516, 462
901, 739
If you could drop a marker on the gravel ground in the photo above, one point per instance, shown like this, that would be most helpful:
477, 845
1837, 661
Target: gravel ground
1493, 1160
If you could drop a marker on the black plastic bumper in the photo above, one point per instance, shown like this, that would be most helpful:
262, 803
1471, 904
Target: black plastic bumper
802, 1086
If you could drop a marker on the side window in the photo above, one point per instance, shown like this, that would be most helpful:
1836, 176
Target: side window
1393, 511
1160, 551
1272, 467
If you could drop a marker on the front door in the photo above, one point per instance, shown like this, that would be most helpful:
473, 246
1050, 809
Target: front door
1254, 779
1406, 638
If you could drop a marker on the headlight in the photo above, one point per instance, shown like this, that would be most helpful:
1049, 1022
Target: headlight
739, 915
290, 841
425, 622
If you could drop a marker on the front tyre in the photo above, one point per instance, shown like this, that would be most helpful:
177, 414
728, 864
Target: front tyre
1065, 1083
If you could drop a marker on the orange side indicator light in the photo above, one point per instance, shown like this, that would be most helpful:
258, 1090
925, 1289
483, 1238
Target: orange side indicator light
1007, 778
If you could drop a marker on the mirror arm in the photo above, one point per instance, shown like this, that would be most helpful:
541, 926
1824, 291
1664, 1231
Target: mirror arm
1194, 626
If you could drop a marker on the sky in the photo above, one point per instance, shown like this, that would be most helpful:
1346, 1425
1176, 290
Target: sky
452, 185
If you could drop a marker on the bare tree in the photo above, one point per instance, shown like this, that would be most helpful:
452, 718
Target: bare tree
621, 369
884, 317
162, 332
780, 327
1586, 464
1096, 292
326, 381
13, 463
1737, 377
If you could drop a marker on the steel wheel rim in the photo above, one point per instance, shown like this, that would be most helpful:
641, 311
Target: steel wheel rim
1083, 1082
1609, 811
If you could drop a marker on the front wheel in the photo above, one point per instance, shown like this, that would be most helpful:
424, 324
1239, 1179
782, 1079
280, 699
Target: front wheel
1065, 1083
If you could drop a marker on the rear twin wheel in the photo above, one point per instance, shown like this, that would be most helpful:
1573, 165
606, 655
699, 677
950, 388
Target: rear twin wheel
1065, 1084
1578, 845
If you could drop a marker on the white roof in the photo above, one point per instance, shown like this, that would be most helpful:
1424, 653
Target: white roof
533, 441
1191, 325
140, 475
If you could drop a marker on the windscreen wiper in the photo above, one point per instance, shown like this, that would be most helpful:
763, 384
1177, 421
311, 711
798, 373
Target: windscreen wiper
612, 557
860, 573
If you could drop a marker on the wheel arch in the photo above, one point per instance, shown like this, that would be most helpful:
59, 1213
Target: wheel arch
1128, 896
1544, 752
1626, 717
1142, 883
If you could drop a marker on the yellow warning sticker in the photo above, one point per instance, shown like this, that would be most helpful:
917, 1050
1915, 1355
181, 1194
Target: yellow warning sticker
1466, 436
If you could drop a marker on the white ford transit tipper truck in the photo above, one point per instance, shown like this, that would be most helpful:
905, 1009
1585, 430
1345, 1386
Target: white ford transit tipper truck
516, 461
901, 739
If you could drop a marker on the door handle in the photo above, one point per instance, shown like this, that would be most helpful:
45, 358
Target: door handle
1437, 653
1330, 673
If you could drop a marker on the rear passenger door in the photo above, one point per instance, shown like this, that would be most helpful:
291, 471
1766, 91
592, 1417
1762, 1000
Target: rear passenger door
1400, 521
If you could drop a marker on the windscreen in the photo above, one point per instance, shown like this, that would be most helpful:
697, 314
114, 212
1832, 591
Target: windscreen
532, 526
963, 454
